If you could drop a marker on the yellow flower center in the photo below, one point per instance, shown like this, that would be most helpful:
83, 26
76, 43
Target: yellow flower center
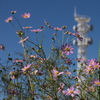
25, 16
26, 68
67, 73
56, 29
89, 66
77, 84
56, 73
88, 70
67, 49
26, 27
96, 66
70, 91
47, 23
98, 83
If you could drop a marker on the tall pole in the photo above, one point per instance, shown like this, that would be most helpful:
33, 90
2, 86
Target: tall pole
82, 28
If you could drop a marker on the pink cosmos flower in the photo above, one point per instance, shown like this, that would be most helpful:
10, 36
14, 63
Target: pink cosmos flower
68, 61
96, 82
56, 73
66, 49
78, 36
68, 73
9, 19
71, 91
17, 61
91, 88
27, 27
23, 40
26, 15
27, 67
57, 29
36, 30
32, 56
88, 70
96, 66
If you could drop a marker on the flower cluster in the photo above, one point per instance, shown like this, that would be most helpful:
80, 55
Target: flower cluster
91, 66
41, 75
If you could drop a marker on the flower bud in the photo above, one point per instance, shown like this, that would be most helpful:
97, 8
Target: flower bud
54, 34
53, 39
13, 12
63, 27
20, 33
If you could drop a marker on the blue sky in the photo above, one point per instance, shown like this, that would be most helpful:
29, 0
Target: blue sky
56, 12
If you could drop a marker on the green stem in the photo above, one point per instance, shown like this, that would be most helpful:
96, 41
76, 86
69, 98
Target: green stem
13, 26
84, 85
42, 35
63, 37
38, 48
17, 22
37, 38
